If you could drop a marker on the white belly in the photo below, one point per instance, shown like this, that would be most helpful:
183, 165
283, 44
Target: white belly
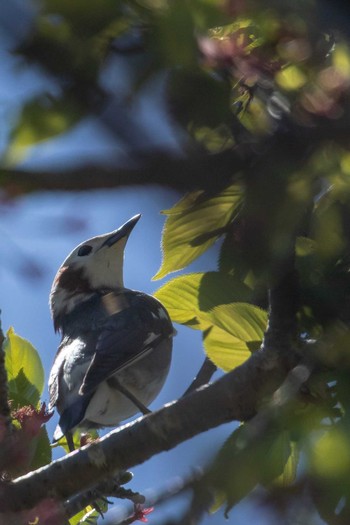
144, 379
108, 406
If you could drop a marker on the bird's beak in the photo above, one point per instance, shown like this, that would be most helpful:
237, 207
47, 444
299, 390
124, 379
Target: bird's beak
123, 231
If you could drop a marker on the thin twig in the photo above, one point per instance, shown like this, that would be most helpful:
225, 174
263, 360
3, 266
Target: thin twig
173, 489
203, 377
108, 488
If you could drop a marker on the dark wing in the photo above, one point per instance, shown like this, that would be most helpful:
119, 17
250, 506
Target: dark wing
127, 336
55, 375
72, 416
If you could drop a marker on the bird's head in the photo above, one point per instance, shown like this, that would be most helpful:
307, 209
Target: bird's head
94, 265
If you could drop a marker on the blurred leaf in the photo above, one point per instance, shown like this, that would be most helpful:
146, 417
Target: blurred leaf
244, 462
237, 331
305, 246
73, 61
172, 39
234, 471
330, 455
41, 119
284, 457
214, 140
198, 99
341, 59
24, 369
42, 450
189, 298
291, 78
86, 19
194, 224
328, 229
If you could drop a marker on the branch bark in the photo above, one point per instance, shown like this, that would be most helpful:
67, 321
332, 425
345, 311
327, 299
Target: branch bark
236, 396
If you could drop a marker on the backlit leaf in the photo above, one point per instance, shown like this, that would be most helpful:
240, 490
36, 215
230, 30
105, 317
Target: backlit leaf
89, 515
42, 450
24, 370
237, 330
189, 298
289, 473
245, 461
41, 119
194, 224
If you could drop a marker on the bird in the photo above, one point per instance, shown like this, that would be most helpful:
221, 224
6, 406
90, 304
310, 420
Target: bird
116, 343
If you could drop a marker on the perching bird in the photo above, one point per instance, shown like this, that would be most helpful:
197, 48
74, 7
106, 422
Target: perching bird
116, 343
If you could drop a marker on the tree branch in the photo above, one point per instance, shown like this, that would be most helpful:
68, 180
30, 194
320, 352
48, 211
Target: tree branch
174, 488
281, 332
157, 167
195, 171
238, 394
108, 488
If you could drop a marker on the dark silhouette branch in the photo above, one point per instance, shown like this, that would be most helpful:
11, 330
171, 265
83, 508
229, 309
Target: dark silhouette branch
161, 168
281, 332
198, 170
173, 488
107, 488
203, 377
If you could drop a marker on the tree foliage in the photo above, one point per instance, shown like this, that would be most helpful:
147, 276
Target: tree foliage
258, 96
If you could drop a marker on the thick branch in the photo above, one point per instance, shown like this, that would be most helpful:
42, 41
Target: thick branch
235, 396
283, 306
197, 170
167, 170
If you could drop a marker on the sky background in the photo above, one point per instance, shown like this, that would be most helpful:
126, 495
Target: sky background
39, 230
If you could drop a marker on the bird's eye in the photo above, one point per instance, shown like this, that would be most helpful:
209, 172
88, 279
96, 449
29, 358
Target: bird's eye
84, 250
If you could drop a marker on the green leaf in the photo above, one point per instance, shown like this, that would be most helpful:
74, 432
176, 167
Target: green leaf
189, 298
89, 515
77, 439
305, 246
86, 19
289, 473
281, 459
197, 99
237, 330
236, 469
224, 350
172, 38
246, 460
42, 453
24, 370
41, 119
194, 224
